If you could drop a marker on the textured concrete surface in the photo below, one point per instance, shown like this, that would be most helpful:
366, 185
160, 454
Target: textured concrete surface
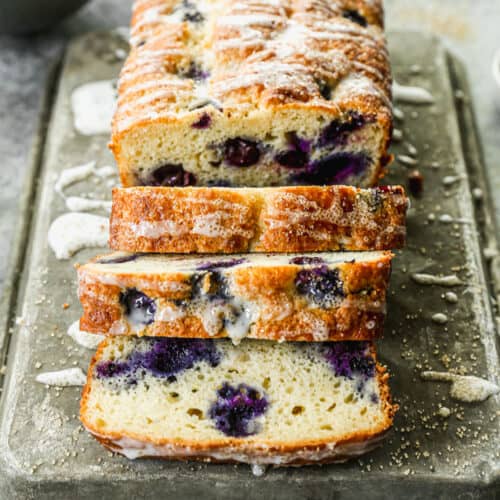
470, 29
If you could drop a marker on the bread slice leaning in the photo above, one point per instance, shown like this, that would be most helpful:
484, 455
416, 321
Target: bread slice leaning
312, 297
259, 402
279, 219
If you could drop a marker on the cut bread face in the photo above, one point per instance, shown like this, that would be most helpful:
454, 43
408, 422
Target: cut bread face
282, 219
225, 93
259, 402
311, 297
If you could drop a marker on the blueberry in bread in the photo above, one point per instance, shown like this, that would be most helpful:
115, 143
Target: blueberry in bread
251, 93
259, 402
279, 219
311, 297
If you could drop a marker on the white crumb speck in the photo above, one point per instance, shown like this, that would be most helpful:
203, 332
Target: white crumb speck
440, 318
258, 470
451, 297
444, 412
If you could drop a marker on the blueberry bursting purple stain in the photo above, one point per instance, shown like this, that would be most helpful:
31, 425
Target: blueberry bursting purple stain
240, 152
204, 121
235, 409
163, 358
298, 154
169, 175
350, 360
336, 131
320, 285
355, 17
335, 168
139, 308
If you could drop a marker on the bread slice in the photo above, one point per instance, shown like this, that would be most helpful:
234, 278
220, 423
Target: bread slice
253, 93
283, 219
260, 402
322, 296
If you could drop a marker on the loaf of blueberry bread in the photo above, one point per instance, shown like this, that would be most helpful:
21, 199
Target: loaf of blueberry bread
281, 219
259, 402
313, 297
254, 93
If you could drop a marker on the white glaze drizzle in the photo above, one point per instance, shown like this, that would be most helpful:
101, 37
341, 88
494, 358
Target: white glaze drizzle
93, 105
62, 378
249, 24
430, 279
87, 340
465, 388
409, 94
72, 175
80, 204
73, 231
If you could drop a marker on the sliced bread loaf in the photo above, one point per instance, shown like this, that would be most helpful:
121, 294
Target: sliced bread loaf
260, 402
232, 220
321, 296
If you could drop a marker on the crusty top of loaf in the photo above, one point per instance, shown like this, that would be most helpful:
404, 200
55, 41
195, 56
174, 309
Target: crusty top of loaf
253, 55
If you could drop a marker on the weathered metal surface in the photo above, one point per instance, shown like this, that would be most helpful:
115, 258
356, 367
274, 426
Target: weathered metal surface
44, 452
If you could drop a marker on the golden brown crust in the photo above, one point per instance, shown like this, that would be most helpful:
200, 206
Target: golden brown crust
286, 219
281, 313
244, 451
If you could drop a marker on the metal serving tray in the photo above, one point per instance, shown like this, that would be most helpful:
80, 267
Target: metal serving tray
44, 452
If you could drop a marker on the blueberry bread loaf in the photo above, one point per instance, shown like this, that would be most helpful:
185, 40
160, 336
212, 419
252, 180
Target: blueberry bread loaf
259, 402
254, 93
319, 297
282, 219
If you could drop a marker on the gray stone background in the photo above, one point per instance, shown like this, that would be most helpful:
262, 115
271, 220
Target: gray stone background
470, 28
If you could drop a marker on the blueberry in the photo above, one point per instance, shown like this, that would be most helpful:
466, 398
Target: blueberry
355, 16
298, 154
298, 143
292, 159
349, 359
336, 131
305, 261
324, 89
109, 369
163, 357
235, 408
170, 175
192, 14
204, 121
210, 266
211, 285
321, 285
193, 71
169, 356
335, 168
240, 152
138, 306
